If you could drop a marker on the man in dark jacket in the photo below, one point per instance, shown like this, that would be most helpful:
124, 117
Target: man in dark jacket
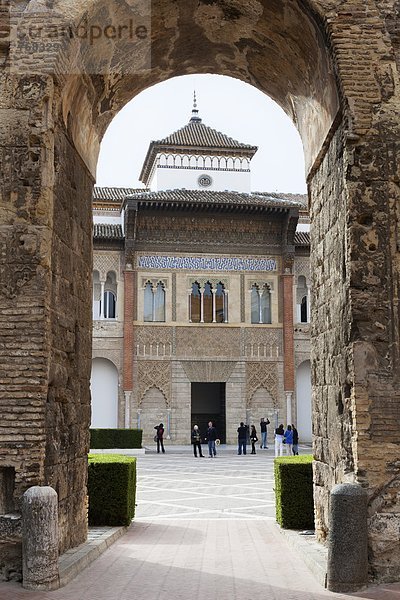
211, 437
242, 438
263, 429
160, 437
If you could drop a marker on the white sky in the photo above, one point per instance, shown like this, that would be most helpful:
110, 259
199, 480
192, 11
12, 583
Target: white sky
235, 108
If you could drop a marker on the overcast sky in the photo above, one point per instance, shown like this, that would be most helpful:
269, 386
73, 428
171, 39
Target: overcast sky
235, 108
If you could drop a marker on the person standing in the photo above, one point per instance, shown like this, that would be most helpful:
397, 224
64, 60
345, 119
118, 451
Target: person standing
288, 436
295, 448
253, 439
263, 429
211, 437
279, 434
242, 438
196, 441
160, 437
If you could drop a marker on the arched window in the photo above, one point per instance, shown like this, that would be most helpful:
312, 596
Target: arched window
266, 305
108, 308
154, 303
222, 163
229, 163
148, 302
207, 162
208, 303
193, 161
261, 304
255, 304
195, 303
303, 310
238, 163
215, 162
163, 159
302, 300
220, 309
110, 305
96, 296
159, 303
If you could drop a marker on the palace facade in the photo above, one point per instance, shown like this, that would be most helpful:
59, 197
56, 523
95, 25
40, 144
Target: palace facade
200, 294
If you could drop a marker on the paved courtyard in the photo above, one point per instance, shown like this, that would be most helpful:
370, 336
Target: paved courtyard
204, 530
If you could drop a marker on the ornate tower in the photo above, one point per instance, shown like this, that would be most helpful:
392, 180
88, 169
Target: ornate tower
197, 157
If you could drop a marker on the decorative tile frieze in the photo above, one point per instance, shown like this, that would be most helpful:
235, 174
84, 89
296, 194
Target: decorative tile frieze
203, 263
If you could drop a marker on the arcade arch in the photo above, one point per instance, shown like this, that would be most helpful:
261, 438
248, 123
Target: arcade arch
104, 387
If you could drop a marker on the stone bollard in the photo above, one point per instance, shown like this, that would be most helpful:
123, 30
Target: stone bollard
348, 539
40, 539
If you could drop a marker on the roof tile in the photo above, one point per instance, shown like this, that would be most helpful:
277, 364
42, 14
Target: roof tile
106, 231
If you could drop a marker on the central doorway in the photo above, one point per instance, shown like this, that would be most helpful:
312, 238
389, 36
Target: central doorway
208, 404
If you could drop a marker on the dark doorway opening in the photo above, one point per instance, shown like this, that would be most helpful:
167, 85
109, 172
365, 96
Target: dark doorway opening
208, 404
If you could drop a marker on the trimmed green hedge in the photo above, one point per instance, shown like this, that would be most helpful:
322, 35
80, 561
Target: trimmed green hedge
294, 492
115, 438
111, 489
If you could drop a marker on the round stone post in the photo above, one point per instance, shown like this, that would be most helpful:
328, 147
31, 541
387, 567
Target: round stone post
40, 539
348, 539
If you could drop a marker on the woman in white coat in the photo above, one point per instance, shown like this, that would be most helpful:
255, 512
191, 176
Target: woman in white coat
279, 436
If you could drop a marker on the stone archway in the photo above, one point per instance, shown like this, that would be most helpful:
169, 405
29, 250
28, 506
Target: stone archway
335, 70
104, 393
303, 401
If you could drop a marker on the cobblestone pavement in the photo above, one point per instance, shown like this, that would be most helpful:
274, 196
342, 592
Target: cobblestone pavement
204, 530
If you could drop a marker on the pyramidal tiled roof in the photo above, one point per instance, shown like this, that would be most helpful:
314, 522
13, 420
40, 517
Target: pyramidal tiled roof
195, 135
198, 135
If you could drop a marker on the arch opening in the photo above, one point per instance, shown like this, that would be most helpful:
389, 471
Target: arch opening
298, 73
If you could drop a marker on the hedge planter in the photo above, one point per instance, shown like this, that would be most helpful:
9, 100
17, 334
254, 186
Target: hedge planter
294, 492
115, 438
111, 489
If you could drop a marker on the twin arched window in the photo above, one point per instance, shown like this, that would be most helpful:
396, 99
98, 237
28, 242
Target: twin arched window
154, 302
208, 303
260, 304
104, 296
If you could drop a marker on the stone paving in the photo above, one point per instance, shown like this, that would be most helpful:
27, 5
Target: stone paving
204, 530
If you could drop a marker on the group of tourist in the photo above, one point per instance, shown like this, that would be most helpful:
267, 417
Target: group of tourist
288, 438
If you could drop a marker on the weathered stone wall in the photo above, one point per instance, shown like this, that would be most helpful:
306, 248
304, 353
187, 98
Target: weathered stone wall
355, 259
45, 308
68, 397
25, 280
